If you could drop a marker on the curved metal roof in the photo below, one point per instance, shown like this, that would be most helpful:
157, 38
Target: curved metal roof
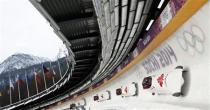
76, 20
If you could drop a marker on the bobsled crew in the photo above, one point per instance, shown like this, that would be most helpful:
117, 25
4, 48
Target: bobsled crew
167, 83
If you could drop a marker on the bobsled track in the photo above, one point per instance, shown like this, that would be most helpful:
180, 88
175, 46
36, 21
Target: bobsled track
170, 45
174, 51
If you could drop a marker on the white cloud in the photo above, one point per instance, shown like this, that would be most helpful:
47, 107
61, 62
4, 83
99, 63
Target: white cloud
23, 29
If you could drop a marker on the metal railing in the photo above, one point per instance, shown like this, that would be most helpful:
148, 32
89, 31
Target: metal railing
64, 78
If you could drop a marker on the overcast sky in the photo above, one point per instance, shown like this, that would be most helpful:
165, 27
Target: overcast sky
24, 30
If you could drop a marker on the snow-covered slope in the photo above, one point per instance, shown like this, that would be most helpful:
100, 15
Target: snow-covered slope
20, 60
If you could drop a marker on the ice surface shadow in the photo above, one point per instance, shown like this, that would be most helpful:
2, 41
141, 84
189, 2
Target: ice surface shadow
114, 108
186, 85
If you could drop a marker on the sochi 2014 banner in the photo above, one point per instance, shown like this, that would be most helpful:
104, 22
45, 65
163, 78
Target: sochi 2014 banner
170, 10
167, 14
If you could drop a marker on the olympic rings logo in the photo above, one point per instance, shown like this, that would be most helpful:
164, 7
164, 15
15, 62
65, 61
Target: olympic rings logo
192, 41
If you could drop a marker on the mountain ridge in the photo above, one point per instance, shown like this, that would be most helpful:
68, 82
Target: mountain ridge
20, 60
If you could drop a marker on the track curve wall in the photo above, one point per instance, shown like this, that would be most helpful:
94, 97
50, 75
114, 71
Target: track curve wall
187, 47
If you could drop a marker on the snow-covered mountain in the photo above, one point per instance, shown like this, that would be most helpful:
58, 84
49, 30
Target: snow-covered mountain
20, 60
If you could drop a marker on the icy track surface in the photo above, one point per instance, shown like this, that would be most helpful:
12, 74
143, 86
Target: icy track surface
195, 59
